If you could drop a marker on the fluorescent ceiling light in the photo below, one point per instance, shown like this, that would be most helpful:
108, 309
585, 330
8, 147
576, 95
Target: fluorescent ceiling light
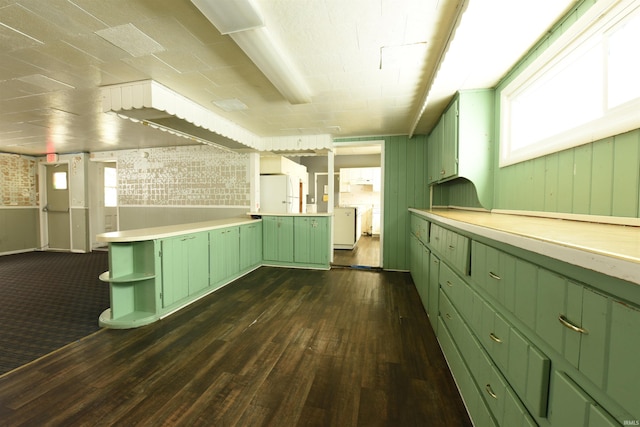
230, 16
130, 39
240, 20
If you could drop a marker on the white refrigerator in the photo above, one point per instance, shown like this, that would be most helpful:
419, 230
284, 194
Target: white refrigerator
279, 194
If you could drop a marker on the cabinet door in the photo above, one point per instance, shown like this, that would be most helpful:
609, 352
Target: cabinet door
434, 149
250, 245
217, 270
434, 287
311, 240
175, 270
415, 261
284, 240
449, 162
270, 237
198, 262
424, 275
232, 251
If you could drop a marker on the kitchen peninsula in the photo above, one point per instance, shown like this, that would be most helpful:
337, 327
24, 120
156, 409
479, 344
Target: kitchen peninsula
154, 272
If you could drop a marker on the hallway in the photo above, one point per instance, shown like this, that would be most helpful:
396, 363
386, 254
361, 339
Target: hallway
365, 254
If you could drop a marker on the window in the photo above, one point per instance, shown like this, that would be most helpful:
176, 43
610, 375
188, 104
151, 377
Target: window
60, 181
110, 187
585, 87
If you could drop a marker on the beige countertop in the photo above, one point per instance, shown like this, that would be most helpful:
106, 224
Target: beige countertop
290, 214
152, 233
610, 249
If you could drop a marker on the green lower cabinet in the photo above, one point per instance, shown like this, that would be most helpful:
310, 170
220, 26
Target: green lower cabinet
224, 255
250, 246
296, 241
434, 290
277, 235
311, 240
505, 407
185, 267
425, 255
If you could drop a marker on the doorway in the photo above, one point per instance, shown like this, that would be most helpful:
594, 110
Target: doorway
359, 196
56, 214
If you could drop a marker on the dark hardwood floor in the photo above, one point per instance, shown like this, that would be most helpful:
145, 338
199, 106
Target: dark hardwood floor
366, 253
280, 347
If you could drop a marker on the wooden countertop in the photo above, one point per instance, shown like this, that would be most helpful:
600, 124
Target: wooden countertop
610, 249
152, 233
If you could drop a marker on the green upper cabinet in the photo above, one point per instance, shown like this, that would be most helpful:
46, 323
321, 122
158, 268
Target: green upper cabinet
460, 144
434, 156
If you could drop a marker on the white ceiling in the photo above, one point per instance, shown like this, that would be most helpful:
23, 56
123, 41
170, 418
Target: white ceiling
56, 54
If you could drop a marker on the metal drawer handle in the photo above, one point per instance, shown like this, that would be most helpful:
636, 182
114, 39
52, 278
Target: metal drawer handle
449, 284
494, 276
435, 261
494, 338
452, 247
490, 391
571, 326
448, 316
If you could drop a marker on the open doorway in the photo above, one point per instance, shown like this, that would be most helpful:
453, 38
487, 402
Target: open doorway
357, 203
104, 200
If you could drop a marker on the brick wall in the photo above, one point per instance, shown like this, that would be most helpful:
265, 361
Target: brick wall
18, 184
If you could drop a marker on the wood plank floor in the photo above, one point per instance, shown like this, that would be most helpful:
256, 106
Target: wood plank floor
366, 253
279, 347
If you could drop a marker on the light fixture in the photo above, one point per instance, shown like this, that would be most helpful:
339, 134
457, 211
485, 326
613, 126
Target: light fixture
242, 21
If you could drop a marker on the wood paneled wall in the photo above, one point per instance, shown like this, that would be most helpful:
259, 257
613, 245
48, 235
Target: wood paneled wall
601, 178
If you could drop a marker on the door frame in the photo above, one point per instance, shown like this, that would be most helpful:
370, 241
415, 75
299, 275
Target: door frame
42, 188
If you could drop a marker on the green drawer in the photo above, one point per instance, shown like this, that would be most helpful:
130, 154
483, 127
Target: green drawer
453, 247
523, 364
570, 405
495, 390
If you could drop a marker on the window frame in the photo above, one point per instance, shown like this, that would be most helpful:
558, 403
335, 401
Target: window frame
602, 19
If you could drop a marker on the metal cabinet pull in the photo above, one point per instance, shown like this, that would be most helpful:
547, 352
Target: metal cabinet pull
494, 276
448, 316
449, 284
490, 391
495, 338
452, 247
565, 322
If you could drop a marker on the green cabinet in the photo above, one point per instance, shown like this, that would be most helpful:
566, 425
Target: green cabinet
185, 267
277, 238
133, 268
311, 240
152, 278
460, 144
224, 255
250, 246
545, 342
297, 241
449, 153
434, 290
434, 153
